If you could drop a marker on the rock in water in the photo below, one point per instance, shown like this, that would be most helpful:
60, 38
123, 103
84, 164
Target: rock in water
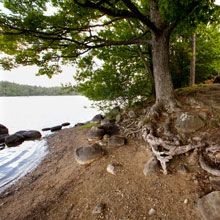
65, 124
46, 129
30, 134
56, 128
14, 140
2, 146
86, 155
209, 206
3, 137
3, 129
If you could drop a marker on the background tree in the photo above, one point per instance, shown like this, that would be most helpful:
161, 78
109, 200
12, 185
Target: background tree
80, 26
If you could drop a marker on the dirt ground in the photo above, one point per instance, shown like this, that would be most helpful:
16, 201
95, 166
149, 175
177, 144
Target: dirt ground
62, 189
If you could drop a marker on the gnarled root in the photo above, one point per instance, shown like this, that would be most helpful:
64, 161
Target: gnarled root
164, 151
208, 168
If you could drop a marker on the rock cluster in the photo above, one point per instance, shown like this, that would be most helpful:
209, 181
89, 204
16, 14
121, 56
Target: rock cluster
57, 127
17, 138
102, 137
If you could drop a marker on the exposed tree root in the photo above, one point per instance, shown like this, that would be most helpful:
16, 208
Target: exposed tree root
164, 151
205, 166
158, 130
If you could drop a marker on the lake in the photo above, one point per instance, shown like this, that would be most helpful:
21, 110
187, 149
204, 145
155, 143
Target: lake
35, 113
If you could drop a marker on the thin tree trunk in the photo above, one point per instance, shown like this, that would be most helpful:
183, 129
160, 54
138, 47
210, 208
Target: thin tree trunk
193, 62
163, 83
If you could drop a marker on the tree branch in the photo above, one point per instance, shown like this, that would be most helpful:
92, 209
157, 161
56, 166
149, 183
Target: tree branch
111, 12
140, 16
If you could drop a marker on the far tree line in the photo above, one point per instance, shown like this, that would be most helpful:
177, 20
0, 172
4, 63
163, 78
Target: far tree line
14, 89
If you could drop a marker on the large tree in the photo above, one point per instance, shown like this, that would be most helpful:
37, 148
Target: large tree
79, 26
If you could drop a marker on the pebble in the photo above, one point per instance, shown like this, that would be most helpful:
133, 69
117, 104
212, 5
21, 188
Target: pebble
183, 169
151, 211
99, 208
186, 201
111, 169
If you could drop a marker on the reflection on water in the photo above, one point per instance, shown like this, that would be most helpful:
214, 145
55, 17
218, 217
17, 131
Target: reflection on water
21, 113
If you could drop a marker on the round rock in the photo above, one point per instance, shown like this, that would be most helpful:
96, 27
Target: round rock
188, 122
97, 118
116, 141
110, 128
3, 129
86, 155
30, 134
3, 137
96, 133
14, 140
209, 206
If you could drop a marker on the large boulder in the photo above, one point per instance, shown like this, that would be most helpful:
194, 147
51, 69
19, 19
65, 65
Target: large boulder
110, 128
2, 146
3, 137
3, 129
209, 206
188, 122
86, 155
30, 134
14, 140
97, 118
116, 141
96, 134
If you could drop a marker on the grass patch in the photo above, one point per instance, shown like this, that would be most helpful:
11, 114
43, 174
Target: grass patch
89, 125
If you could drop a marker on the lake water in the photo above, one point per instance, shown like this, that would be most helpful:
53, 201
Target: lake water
35, 113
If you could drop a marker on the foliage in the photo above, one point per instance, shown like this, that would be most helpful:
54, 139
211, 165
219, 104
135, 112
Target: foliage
207, 54
114, 32
88, 125
13, 89
122, 76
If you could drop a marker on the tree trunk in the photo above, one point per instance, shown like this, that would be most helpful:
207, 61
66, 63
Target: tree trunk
162, 78
193, 62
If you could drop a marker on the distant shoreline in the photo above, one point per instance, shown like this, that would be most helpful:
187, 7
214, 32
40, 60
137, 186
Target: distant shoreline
8, 89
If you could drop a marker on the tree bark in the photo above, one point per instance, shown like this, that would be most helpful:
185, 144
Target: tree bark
193, 62
162, 78
160, 56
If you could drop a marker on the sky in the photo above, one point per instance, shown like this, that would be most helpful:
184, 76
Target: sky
27, 75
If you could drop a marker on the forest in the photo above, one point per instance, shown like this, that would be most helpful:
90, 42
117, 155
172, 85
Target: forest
14, 89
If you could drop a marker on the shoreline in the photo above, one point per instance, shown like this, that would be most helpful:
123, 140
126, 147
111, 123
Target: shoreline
59, 188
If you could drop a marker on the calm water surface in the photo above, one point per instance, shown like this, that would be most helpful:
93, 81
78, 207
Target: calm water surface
35, 113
